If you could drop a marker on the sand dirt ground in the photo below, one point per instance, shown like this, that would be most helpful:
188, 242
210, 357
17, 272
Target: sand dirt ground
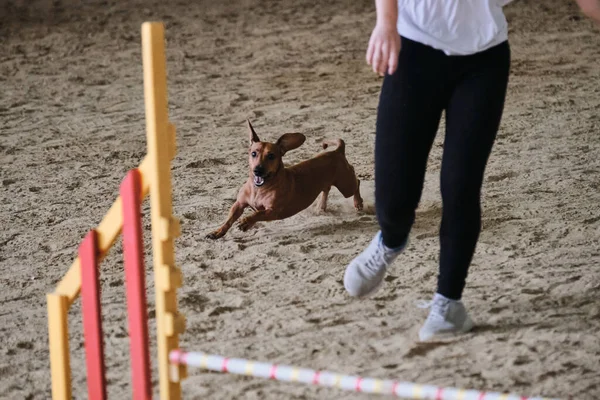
72, 124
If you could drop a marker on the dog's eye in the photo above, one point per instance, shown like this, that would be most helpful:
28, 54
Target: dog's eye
253, 154
271, 156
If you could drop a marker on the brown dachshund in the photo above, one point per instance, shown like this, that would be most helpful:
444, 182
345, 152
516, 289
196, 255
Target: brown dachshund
276, 192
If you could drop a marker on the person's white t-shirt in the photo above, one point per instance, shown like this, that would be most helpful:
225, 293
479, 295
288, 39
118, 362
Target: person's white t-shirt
457, 27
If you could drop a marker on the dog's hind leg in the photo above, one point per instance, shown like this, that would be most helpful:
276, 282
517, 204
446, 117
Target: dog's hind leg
358, 201
322, 203
349, 185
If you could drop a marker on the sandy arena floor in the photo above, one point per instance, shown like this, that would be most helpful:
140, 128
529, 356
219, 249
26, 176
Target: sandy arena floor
72, 124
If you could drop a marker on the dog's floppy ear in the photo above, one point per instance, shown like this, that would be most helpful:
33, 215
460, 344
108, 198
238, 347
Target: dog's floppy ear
290, 141
251, 134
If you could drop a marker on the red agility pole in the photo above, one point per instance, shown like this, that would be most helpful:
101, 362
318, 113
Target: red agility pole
133, 249
92, 318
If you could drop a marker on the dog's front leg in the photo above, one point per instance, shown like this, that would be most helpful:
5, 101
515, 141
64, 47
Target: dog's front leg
236, 211
261, 215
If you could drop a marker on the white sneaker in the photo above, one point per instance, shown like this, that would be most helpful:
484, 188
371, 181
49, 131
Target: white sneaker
364, 275
446, 317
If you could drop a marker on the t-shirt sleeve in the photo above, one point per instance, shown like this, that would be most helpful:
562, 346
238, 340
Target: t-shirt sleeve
504, 2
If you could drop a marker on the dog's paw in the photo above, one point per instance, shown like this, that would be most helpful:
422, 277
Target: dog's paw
358, 204
214, 235
245, 224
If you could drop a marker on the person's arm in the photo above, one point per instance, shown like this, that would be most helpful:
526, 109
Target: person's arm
591, 8
384, 45
387, 12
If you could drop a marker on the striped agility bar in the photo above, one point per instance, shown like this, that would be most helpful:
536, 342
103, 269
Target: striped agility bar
332, 379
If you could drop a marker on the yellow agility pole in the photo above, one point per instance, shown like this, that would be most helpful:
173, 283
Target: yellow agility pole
58, 336
155, 174
161, 149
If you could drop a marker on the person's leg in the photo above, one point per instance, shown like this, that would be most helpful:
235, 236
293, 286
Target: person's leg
473, 116
410, 108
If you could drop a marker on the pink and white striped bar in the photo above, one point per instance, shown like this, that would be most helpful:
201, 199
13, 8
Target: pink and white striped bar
288, 373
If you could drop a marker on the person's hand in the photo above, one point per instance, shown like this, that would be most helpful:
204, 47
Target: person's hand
591, 8
384, 47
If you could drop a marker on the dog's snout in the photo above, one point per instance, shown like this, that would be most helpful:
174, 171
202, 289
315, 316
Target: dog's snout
259, 170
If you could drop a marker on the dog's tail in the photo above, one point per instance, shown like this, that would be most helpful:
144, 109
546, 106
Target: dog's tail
341, 146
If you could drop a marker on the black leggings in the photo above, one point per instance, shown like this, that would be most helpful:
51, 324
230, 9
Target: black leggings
471, 89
